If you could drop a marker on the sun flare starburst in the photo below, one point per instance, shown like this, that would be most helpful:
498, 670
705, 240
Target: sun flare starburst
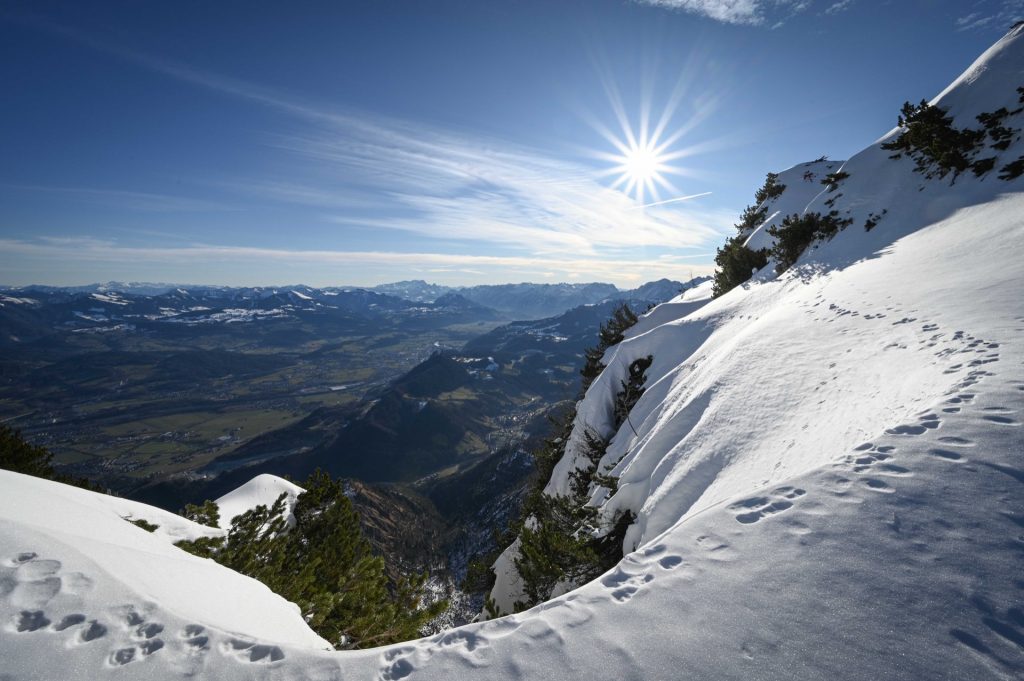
644, 153
641, 170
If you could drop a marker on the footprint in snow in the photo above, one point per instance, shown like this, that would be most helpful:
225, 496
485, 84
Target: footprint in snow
195, 640
623, 586
20, 558
755, 509
924, 424
249, 651
877, 485
715, 548
94, 630
146, 631
69, 621
1001, 420
35, 581
947, 455
955, 441
30, 620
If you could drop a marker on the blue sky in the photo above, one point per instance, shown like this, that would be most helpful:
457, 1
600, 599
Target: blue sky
458, 141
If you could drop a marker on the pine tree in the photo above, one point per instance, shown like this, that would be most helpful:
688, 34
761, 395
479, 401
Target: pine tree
631, 390
208, 514
611, 333
736, 264
21, 457
797, 232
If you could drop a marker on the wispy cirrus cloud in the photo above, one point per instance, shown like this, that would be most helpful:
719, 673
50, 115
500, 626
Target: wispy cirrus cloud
750, 12
991, 14
840, 6
400, 177
446, 186
127, 200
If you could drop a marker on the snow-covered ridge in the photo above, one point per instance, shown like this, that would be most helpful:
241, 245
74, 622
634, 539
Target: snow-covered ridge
263, 490
827, 474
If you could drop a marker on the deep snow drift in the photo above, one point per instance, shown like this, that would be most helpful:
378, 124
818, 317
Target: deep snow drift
263, 490
828, 473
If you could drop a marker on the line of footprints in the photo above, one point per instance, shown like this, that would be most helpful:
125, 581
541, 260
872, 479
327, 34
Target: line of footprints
30, 583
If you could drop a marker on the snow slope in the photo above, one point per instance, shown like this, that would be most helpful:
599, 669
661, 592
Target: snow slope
828, 473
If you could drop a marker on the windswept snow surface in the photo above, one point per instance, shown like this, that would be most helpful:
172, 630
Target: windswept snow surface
828, 473
263, 490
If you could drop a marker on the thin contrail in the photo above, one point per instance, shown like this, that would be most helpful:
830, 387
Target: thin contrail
675, 200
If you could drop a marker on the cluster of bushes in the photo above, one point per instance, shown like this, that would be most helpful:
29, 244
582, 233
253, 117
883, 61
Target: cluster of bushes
737, 263
323, 563
832, 180
928, 136
610, 333
797, 232
771, 189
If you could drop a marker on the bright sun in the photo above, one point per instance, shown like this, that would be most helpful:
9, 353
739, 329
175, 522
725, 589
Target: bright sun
645, 152
642, 165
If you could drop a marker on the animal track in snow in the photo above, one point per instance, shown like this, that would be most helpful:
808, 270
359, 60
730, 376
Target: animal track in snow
148, 630
30, 620
92, 632
471, 647
69, 621
23, 557
716, 548
955, 441
947, 454
907, 429
924, 424
874, 461
1001, 420
622, 585
877, 485
195, 640
35, 581
151, 646
755, 509
250, 651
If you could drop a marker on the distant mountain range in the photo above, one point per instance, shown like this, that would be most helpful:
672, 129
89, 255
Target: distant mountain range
533, 301
96, 305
